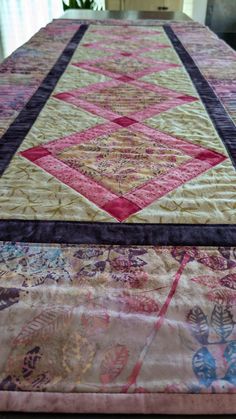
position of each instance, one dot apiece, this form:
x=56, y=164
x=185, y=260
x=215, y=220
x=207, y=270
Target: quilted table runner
x=118, y=220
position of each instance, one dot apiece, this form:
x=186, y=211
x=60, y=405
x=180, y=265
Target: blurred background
x=20, y=19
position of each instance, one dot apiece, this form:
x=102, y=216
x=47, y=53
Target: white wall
x=196, y=9
x=199, y=10
x=21, y=19
x=188, y=7
x=101, y=3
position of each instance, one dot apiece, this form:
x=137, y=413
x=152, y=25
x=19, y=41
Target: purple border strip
x=20, y=127
x=216, y=111
x=72, y=232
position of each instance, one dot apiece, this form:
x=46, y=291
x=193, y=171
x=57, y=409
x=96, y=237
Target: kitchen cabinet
x=146, y=5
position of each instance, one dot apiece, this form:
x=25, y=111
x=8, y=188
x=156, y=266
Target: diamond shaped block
x=125, y=63
x=125, y=79
x=132, y=45
x=124, y=121
x=121, y=170
x=121, y=208
x=114, y=99
x=135, y=99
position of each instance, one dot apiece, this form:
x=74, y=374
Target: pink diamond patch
x=122, y=170
x=125, y=78
x=124, y=121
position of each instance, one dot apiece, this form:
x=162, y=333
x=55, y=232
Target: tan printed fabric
x=117, y=319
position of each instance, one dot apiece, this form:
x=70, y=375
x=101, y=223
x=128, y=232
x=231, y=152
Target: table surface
x=132, y=15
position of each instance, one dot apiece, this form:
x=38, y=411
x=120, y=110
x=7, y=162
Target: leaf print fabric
x=74, y=329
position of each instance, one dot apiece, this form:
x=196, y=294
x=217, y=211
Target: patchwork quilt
x=118, y=220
